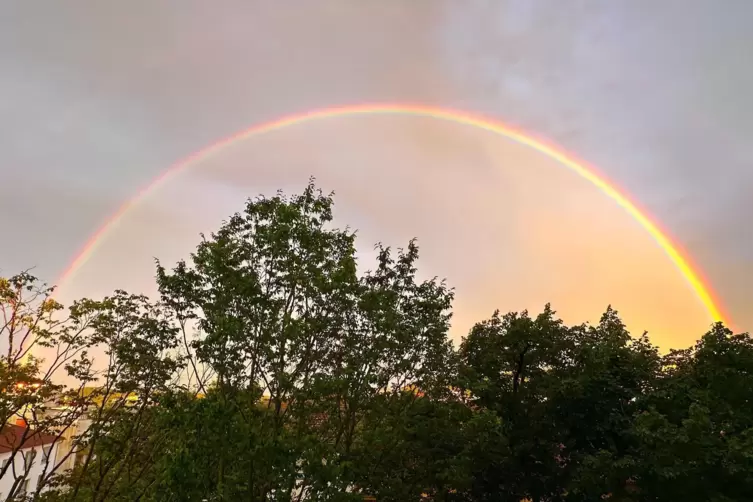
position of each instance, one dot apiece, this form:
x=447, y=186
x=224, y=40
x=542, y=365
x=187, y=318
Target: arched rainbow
x=683, y=264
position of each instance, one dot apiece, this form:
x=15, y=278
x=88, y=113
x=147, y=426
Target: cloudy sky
x=98, y=98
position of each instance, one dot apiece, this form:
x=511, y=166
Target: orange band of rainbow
x=681, y=261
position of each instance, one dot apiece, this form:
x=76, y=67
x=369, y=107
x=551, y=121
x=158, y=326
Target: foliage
x=270, y=369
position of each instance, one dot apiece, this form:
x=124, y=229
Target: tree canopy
x=270, y=369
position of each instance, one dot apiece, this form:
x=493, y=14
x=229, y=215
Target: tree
x=270, y=369
x=566, y=397
x=138, y=340
x=594, y=402
x=507, y=368
x=695, y=438
x=33, y=395
x=283, y=315
x=268, y=294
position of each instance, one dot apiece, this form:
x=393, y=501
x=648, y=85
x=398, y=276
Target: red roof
x=12, y=437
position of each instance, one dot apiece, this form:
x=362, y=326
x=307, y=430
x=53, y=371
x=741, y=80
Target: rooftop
x=12, y=438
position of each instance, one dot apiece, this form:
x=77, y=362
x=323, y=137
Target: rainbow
x=680, y=260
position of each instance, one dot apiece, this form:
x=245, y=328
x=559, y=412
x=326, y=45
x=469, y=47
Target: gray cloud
x=97, y=98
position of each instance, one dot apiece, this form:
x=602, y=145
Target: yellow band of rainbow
x=683, y=264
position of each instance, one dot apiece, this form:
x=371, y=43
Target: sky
x=96, y=99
